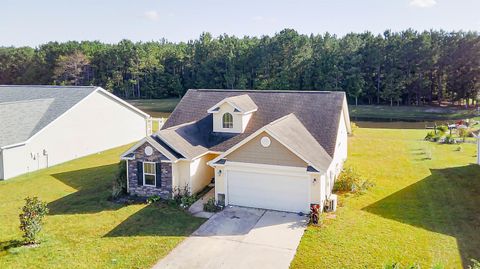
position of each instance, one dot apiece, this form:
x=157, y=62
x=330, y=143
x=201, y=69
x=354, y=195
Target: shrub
x=187, y=200
x=449, y=139
x=119, y=185
x=430, y=136
x=183, y=198
x=350, y=181
x=442, y=128
x=211, y=206
x=31, y=218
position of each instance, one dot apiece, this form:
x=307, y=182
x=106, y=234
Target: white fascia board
x=152, y=143
x=121, y=101
x=211, y=110
x=346, y=116
x=13, y=145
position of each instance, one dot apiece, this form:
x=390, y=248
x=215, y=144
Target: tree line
x=407, y=67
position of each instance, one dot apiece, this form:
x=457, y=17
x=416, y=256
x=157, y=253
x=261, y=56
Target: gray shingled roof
x=189, y=128
x=25, y=110
x=242, y=102
x=290, y=131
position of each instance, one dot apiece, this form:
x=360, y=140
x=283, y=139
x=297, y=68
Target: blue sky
x=33, y=22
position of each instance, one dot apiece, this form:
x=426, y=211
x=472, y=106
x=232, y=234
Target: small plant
x=430, y=136
x=211, y=206
x=365, y=185
x=153, y=199
x=459, y=148
x=433, y=137
x=449, y=139
x=183, y=198
x=316, y=218
x=119, y=184
x=475, y=264
x=350, y=181
x=187, y=200
x=31, y=218
x=442, y=129
x=394, y=265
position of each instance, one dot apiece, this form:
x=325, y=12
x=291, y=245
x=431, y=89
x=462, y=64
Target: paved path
x=240, y=238
x=197, y=208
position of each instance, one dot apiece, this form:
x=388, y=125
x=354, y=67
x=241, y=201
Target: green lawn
x=420, y=211
x=159, y=108
x=83, y=229
x=163, y=108
x=410, y=112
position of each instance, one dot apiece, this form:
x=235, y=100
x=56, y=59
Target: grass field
x=410, y=112
x=420, y=211
x=84, y=229
x=159, y=108
x=163, y=108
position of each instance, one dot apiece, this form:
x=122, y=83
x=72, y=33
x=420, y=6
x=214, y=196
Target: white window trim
x=154, y=174
x=223, y=120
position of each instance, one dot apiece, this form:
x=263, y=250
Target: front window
x=227, y=120
x=149, y=174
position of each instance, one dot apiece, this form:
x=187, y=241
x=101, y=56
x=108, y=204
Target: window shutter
x=140, y=173
x=158, y=168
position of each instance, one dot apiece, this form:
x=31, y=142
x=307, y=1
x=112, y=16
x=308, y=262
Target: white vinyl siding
x=96, y=124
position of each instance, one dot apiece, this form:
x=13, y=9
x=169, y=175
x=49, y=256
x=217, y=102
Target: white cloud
x=151, y=15
x=423, y=3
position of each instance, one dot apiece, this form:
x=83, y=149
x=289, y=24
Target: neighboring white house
x=279, y=150
x=41, y=126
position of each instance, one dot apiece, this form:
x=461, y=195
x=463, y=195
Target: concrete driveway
x=240, y=238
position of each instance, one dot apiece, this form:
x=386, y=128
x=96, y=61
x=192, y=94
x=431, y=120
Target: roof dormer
x=231, y=115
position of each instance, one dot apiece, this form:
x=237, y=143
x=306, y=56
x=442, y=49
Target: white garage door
x=269, y=191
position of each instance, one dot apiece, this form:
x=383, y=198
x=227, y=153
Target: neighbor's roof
x=242, y=103
x=190, y=130
x=25, y=110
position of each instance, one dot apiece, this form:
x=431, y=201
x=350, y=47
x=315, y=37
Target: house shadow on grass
x=157, y=219
x=93, y=187
x=447, y=202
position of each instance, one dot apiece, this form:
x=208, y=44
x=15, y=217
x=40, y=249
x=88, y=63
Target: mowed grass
x=84, y=229
x=159, y=108
x=420, y=211
x=411, y=112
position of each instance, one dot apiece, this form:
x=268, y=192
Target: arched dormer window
x=227, y=120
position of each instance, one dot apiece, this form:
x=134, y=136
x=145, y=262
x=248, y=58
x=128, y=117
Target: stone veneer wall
x=165, y=191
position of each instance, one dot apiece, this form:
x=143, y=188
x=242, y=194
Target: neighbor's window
x=149, y=174
x=227, y=120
